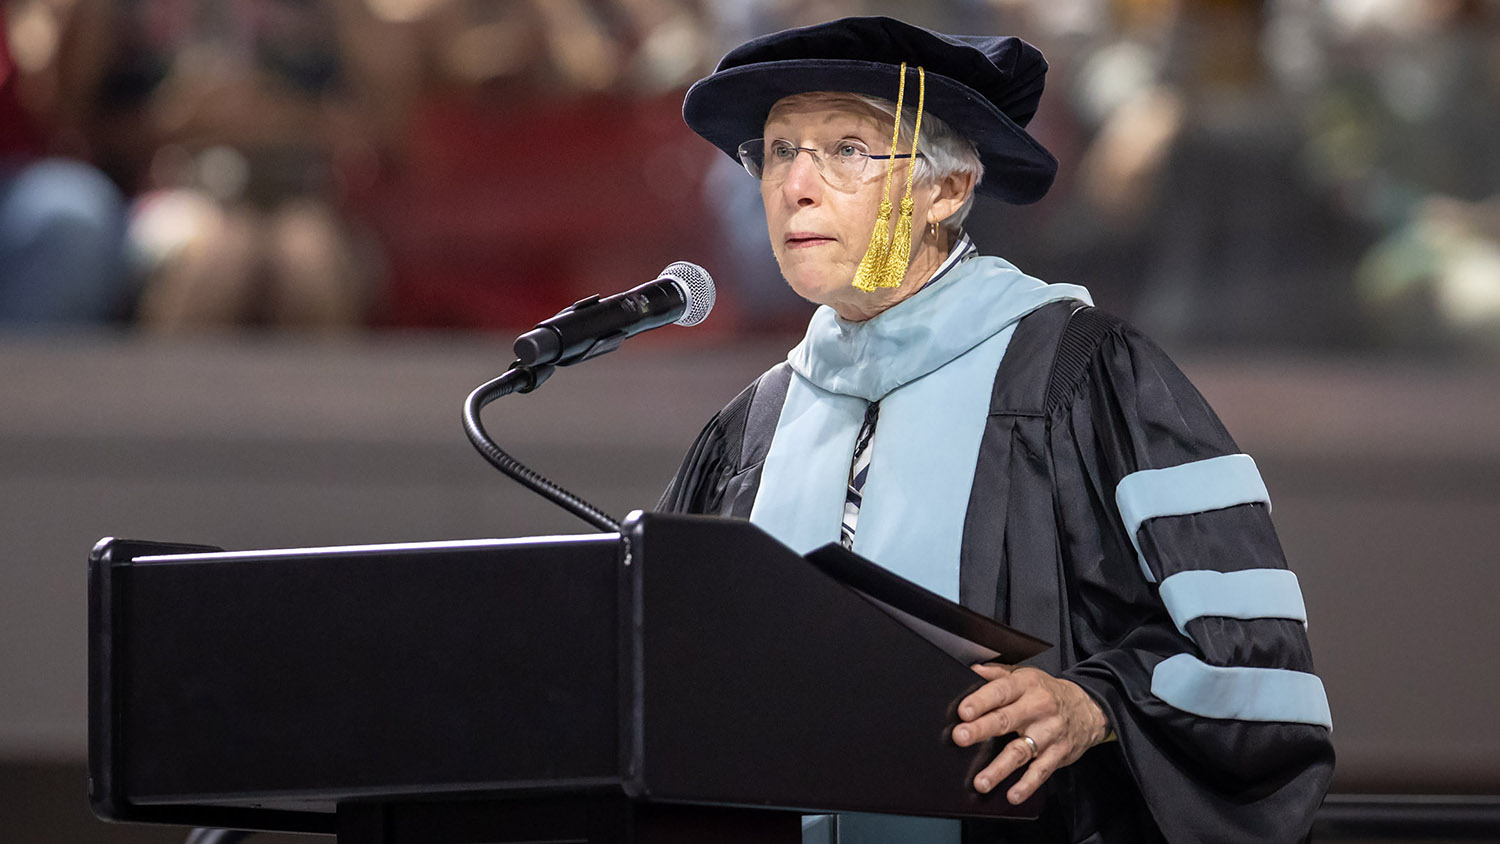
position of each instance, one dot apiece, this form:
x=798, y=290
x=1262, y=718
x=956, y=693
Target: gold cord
x=900, y=248
x=872, y=267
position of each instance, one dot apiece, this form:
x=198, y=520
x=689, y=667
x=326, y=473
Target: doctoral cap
x=986, y=87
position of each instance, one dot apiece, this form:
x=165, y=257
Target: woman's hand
x=1058, y=716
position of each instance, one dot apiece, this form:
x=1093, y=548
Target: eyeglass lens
x=841, y=162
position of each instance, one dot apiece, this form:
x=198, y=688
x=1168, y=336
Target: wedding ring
x=1031, y=742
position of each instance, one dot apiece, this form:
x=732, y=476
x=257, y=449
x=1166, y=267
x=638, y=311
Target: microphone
x=682, y=294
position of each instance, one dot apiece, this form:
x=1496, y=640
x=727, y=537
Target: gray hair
x=945, y=152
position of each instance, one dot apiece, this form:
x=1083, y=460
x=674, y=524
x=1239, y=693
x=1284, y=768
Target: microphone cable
x=523, y=379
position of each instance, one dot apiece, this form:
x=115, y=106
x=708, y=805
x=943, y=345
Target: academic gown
x=1222, y=729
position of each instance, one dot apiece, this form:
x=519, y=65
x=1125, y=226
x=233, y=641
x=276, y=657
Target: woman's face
x=820, y=233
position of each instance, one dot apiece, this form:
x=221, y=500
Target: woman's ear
x=952, y=192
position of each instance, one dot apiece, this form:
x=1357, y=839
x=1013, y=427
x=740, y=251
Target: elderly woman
x=999, y=441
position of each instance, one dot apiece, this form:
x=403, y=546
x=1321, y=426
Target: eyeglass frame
x=816, y=157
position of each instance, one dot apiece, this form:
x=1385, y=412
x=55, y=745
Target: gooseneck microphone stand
x=520, y=378
x=682, y=295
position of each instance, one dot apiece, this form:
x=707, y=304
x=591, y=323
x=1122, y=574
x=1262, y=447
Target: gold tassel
x=873, y=266
x=900, y=251
x=899, y=254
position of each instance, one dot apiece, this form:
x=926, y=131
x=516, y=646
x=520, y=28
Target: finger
x=991, y=670
x=1007, y=719
x=1012, y=756
x=998, y=692
x=1042, y=767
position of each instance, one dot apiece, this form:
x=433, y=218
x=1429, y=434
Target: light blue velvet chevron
x=1196, y=487
x=1250, y=593
x=1245, y=694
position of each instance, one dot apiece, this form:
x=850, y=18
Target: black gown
x=1080, y=401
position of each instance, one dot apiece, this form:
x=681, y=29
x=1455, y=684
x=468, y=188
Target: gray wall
x=1385, y=478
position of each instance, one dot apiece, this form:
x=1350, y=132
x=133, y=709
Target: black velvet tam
x=986, y=87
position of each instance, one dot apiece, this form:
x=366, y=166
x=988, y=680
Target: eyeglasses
x=843, y=163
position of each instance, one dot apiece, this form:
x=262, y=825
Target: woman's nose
x=804, y=183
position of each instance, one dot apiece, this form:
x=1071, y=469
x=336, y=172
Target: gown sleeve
x=1187, y=626
x=703, y=481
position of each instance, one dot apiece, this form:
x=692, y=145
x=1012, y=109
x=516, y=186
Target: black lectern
x=688, y=679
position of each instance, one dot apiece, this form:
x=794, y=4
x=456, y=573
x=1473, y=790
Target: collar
x=962, y=250
x=969, y=300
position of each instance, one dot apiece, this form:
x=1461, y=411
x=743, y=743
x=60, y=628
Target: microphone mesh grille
x=697, y=287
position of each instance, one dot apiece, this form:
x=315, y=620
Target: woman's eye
x=782, y=150
x=849, y=151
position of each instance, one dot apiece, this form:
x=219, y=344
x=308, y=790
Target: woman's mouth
x=803, y=240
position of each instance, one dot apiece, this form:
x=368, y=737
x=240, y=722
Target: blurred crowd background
x=1301, y=174
x=1300, y=199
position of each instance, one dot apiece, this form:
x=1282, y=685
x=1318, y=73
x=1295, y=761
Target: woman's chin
x=819, y=286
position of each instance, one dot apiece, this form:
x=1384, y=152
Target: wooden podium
x=688, y=679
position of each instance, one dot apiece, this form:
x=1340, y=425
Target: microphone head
x=697, y=288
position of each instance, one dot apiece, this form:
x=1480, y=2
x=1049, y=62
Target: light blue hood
x=930, y=361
